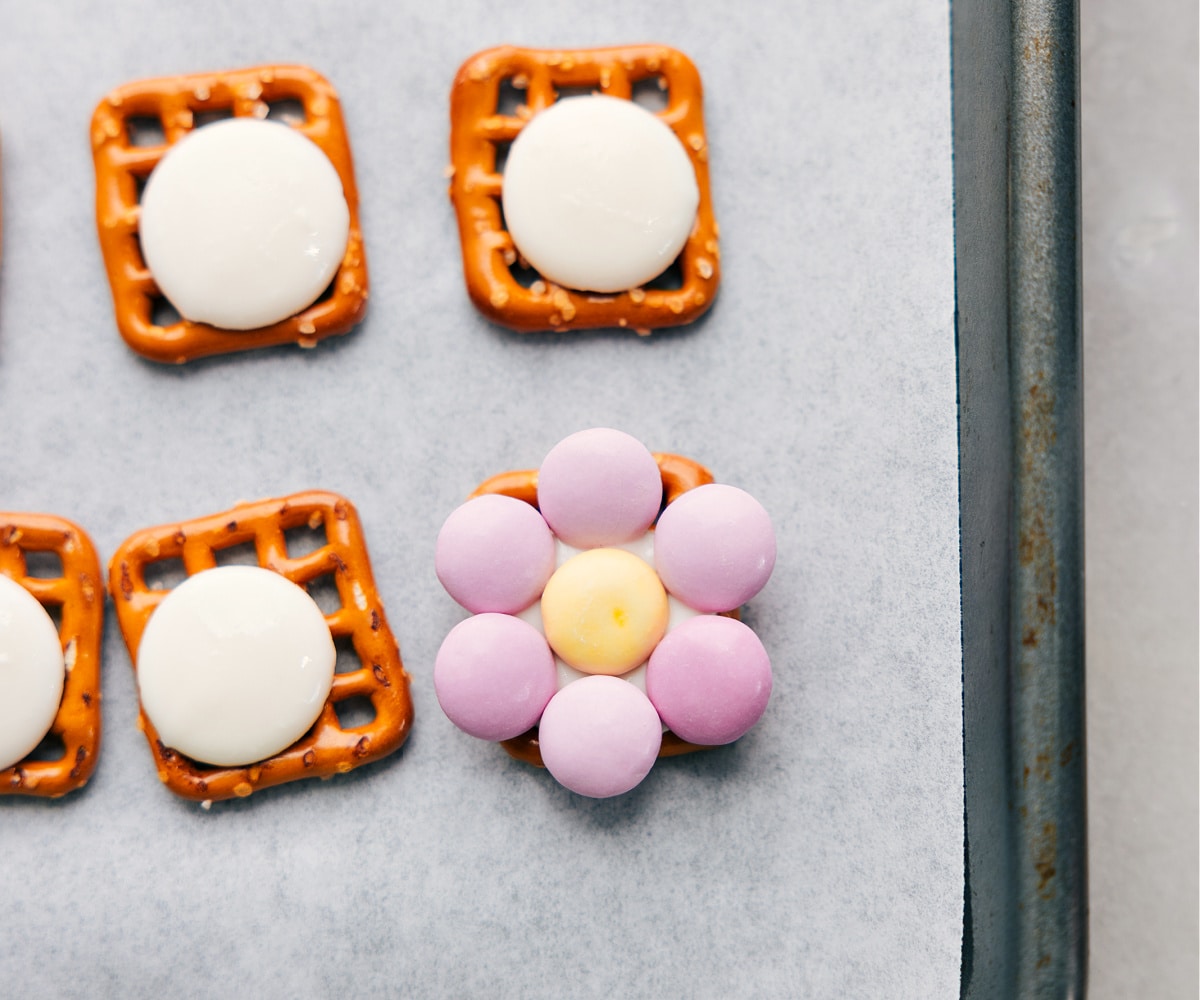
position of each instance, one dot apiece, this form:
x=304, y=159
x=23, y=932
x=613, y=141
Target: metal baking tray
x=1015, y=85
x=1016, y=179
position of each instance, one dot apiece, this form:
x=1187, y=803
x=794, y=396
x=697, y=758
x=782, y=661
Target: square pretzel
x=478, y=130
x=179, y=104
x=78, y=595
x=679, y=474
x=328, y=748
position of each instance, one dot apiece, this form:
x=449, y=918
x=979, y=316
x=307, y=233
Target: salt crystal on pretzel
x=76, y=593
x=329, y=747
x=178, y=106
x=480, y=133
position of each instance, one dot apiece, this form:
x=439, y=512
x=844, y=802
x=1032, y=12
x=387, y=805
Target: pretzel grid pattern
x=327, y=748
x=122, y=168
x=79, y=593
x=477, y=129
x=679, y=475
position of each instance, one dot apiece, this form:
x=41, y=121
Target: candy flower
x=604, y=630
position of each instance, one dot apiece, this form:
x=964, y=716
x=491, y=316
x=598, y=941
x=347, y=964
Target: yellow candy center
x=604, y=611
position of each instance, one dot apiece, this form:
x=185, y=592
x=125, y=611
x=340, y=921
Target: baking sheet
x=822, y=854
x=1016, y=153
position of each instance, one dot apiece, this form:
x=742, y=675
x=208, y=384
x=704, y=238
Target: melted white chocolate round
x=32, y=672
x=599, y=194
x=243, y=223
x=235, y=665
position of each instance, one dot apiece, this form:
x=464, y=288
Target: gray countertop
x=1139, y=142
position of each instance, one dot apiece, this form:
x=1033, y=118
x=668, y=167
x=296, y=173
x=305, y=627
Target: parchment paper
x=820, y=856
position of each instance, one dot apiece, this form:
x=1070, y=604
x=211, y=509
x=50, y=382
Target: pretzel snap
x=478, y=132
x=679, y=475
x=328, y=748
x=79, y=595
x=179, y=104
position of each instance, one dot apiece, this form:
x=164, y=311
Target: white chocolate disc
x=32, y=672
x=235, y=665
x=243, y=223
x=599, y=195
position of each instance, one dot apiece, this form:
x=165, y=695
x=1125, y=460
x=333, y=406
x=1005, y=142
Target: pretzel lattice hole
x=670, y=280
x=305, y=540
x=326, y=295
x=145, y=130
x=43, y=564
x=501, y=149
x=164, y=574
x=55, y=611
x=51, y=748
x=526, y=276
x=202, y=118
x=323, y=590
x=562, y=93
x=162, y=313
x=237, y=555
x=348, y=659
x=287, y=110
x=651, y=93
x=510, y=96
x=354, y=712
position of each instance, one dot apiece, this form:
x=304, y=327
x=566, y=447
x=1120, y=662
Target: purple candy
x=709, y=679
x=495, y=553
x=494, y=675
x=599, y=487
x=714, y=547
x=599, y=736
